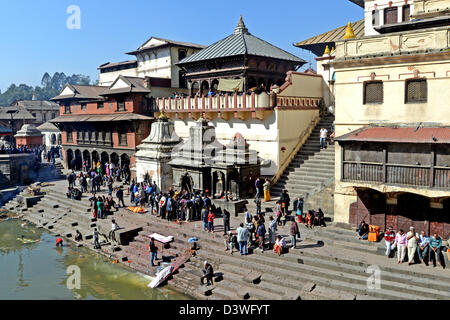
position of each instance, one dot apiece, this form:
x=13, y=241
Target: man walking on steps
x=323, y=138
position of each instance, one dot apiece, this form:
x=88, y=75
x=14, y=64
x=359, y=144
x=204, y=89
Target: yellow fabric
x=266, y=195
x=231, y=85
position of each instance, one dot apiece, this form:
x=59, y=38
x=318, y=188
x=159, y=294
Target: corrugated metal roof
x=135, y=84
x=22, y=113
x=399, y=135
x=115, y=64
x=106, y=117
x=239, y=43
x=317, y=43
x=82, y=92
x=47, y=126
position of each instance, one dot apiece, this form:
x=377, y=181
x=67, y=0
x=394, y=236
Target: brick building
x=103, y=123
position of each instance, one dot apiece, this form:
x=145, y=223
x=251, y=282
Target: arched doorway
x=53, y=139
x=214, y=85
x=104, y=157
x=87, y=158
x=204, y=88
x=186, y=183
x=95, y=157
x=195, y=88
x=69, y=158
x=124, y=159
x=78, y=160
x=115, y=158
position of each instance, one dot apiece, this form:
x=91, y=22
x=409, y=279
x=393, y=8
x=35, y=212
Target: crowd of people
x=411, y=246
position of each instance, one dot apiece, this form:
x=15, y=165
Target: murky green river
x=40, y=270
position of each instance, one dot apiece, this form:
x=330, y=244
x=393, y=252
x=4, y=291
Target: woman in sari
x=280, y=245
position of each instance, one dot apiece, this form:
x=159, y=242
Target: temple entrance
x=115, y=158
x=53, y=139
x=125, y=160
x=69, y=158
x=95, y=157
x=104, y=158
x=78, y=160
x=87, y=158
x=186, y=183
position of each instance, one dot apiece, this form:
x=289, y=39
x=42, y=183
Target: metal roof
x=317, y=44
x=241, y=42
x=47, y=126
x=115, y=64
x=100, y=117
x=22, y=113
x=135, y=84
x=433, y=135
x=82, y=92
x=167, y=42
x=37, y=104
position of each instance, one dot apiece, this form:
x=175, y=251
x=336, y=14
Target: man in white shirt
x=412, y=238
x=323, y=138
x=114, y=227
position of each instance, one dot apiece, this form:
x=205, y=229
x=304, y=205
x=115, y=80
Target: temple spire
x=241, y=28
x=349, y=34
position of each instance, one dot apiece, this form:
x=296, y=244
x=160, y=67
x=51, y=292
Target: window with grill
x=390, y=15
x=67, y=108
x=122, y=138
x=83, y=106
x=373, y=92
x=99, y=105
x=416, y=91
x=121, y=105
x=69, y=136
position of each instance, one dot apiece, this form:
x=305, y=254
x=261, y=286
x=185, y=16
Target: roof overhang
x=393, y=134
x=100, y=118
x=358, y=2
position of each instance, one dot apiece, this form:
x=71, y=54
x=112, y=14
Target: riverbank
x=39, y=270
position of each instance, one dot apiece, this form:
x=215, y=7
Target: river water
x=40, y=270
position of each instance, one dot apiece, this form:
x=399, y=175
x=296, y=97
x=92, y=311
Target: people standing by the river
x=112, y=233
x=257, y=187
x=78, y=236
x=401, y=242
x=242, y=238
x=95, y=237
x=153, y=252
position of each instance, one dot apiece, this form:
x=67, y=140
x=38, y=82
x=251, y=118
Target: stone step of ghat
x=319, y=262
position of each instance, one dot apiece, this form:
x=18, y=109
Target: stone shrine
x=192, y=161
x=155, y=152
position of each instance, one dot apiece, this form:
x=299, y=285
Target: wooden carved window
x=406, y=15
x=373, y=92
x=390, y=15
x=69, y=136
x=416, y=91
x=121, y=105
x=122, y=137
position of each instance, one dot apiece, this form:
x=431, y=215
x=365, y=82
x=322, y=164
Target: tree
x=46, y=80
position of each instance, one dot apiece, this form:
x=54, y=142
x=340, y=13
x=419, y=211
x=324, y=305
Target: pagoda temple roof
x=241, y=42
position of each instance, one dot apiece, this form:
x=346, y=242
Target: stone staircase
x=310, y=172
x=332, y=268
x=329, y=263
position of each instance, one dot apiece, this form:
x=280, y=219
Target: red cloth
x=59, y=240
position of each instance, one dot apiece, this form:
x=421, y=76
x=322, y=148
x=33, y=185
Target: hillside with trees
x=50, y=87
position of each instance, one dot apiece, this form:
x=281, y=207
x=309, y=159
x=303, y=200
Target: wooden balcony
x=397, y=174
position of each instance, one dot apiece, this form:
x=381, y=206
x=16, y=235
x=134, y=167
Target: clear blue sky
x=35, y=38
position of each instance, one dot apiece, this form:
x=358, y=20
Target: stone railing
x=234, y=102
x=298, y=102
x=396, y=43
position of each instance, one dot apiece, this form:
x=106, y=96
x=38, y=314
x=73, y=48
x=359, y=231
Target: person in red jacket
x=59, y=242
x=389, y=238
x=211, y=221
